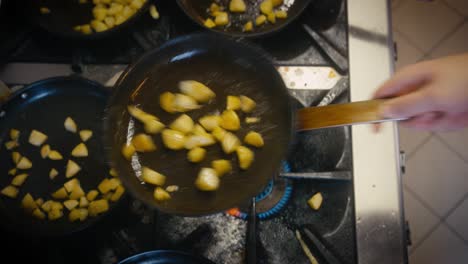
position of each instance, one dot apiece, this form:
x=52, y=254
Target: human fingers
x=408, y=105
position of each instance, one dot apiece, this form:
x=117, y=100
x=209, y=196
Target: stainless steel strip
x=328, y=175
x=376, y=170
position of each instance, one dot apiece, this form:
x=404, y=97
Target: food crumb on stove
x=70, y=125
x=44, y=10
x=53, y=173
x=172, y=188
x=154, y=12
x=315, y=202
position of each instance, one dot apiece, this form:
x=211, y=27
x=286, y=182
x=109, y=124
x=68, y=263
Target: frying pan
x=197, y=11
x=165, y=257
x=229, y=68
x=66, y=14
x=44, y=105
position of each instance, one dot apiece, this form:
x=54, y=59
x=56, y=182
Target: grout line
x=455, y=232
x=410, y=41
x=446, y=36
x=419, y=199
x=424, y=237
x=452, y=8
x=450, y=147
x=422, y=143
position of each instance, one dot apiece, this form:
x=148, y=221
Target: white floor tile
x=456, y=43
x=425, y=22
x=460, y=5
x=420, y=219
x=459, y=219
x=407, y=53
x=410, y=139
x=442, y=246
x=438, y=175
x=458, y=140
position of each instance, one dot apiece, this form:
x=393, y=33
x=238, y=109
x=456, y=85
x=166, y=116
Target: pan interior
x=228, y=68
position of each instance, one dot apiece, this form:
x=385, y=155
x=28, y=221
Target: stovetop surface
x=134, y=228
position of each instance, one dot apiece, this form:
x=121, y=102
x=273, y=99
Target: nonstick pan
x=197, y=11
x=44, y=105
x=227, y=67
x=66, y=14
x=165, y=257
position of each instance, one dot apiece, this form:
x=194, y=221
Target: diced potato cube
x=271, y=18
x=78, y=214
x=277, y=2
x=233, y=102
x=207, y=180
x=196, y=154
x=266, y=7
x=237, y=6
x=39, y=214
x=70, y=204
x=118, y=193
x=219, y=133
x=24, y=163
x=315, y=201
x=210, y=122
x=10, y=191
x=281, y=14
x=39, y=201
x=60, y=194
x=18, y=180
x=140, y=115
x=70, y=124
x=44, y=10
x=128, y=151
x=80, y=151
x=173, y=139
x=215, y=8
x=98, y=207
x=221, y=19
x=199, y=130
x=127, y=12
x=136, y=4
x=230, y=143
x=107, y=196
x=47, y=205
x=161, y=195
x=114, y=182
x=153, y=177
x=247, y=104
x=197, y=90
x=14, y=134
x=172, y=188
x=55, y=155
x=77, y=193
x=99, y=13
x=114, y=9
x=12, y=171
x=209, y=23
x=153, y=126
x=166, y=101
x=77, y=28
x=108, y=185
x=143, y=143
x=86, y=134
x=56, y=206
x=45, y=150
x=252, y=120
x=260, y=20
x=71, y=185
x=182, y=124
x=254, y=139
x=221, y=166
x=53, y=173
x=92, y=194
x=245, y=157
x=230, y=120
x=28, y=203
x=55, y=214
x=113, y=172
x=99, y=26
x=199, y=141
x=119, y=19
x=248, y=27
x=184, y=103
x=72, y=169
x=86, y=29
x=15, y=156
x=154, y=12
x=11, y=144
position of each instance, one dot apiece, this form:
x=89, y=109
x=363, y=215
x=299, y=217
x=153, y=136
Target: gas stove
x=316, y=55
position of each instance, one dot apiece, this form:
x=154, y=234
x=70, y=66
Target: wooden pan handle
x=341, y=115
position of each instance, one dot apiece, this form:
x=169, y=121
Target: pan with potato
x=243, y=18
x=217, y=106
x=55, y=179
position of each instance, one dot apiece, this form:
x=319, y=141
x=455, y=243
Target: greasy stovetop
x=133, y=228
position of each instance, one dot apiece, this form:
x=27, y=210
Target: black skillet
x=227, y=67
x=197, y=11
x=44, y=105
x=165, y=257
x=66, y=14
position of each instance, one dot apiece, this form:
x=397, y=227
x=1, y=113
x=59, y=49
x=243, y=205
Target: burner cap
x=270, y=201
